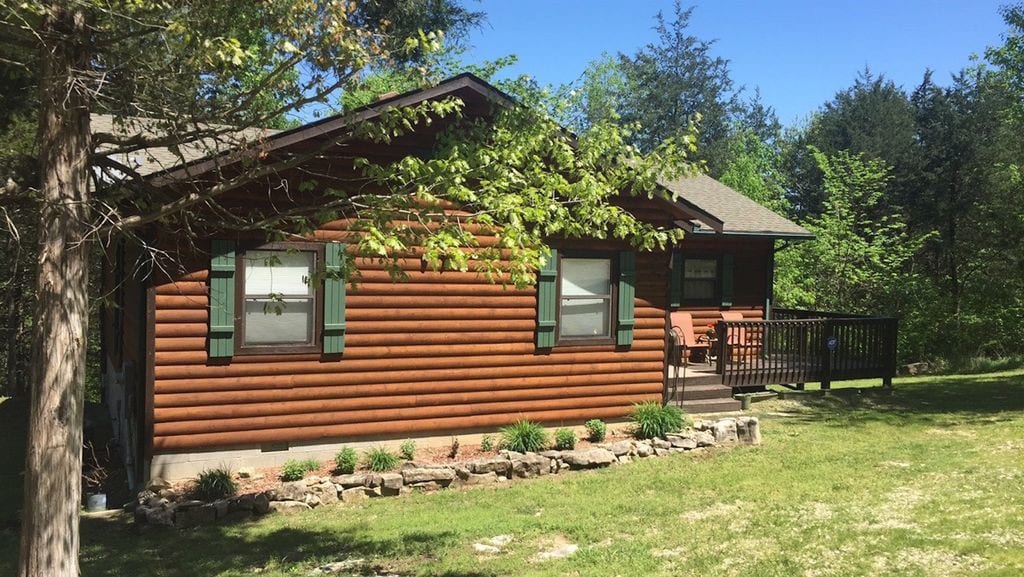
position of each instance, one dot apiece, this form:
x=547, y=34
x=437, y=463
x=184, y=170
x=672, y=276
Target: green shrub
x=346, y=460
x=487, y=443
x=655, y=420
x=524, y=436
x=565, y=439
x=596, y=430
x=294, y=470
x=408, y=449
x=381, y=460
x=213, y=484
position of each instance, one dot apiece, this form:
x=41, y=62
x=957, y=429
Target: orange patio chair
x=742, y=343
x=682, y=326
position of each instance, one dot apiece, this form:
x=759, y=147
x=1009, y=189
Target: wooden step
x=703, y=406
x=696, y=379
x=698, y=392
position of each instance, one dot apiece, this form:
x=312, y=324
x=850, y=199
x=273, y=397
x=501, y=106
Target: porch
x=790, y=348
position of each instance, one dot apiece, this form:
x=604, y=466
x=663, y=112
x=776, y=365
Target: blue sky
x=798, y=52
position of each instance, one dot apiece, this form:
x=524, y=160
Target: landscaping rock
x=157, y=516
x=499, y=465
x=261, y=503
x=704, y=438
x=625, y=459
x=552, y=454
x=530, y=465
x=660, y=443
x=481, y=479
x=325, y=491
x=292, y=491
x=588, y=458
x=644, y=450
x=390, y=484
x=620, y=448
x=683, y=441
x=246, y=473
x=243, y=503
x=156, y=484
x=288, y=507
x=725, y=431
x=354, y=494
x=441, y=476
x=349, y=481
x=426, y=486
x=221, y=507
x=659, y=452
x=748, y=430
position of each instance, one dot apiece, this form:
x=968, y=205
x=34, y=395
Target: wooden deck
x=792, y=348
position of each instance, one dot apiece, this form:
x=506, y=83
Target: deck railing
x=796, y=347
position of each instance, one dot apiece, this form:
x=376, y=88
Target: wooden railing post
x=826, y=368
x=721, y=334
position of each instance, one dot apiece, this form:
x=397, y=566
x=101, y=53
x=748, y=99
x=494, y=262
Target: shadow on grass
x=115, y=547
x=935, y=400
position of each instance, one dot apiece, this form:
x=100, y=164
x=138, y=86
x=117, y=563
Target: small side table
x=711, y=354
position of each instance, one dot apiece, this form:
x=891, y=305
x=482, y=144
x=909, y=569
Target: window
x=700, y=279
x=279, y=300
x=586, y=299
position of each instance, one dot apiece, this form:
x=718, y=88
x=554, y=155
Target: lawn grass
x=927, y=480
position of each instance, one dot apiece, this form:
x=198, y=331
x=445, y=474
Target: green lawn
x=927, y=481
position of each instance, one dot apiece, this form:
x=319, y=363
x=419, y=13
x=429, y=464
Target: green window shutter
x=675, y=299
x=727, y=273
x=222, y=298
x=334, y=299
x=627, y=292
x=547, y=301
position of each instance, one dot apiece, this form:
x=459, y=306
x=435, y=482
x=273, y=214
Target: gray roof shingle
x=740, y=214
x=158, y=159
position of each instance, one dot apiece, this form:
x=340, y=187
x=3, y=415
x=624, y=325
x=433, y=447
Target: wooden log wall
x=441, y=352
x=750, y=280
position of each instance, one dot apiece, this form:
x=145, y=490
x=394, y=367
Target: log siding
x=441, y=352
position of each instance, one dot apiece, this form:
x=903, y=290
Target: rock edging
x=153, y=508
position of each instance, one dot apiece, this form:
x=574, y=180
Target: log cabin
x=197, y=374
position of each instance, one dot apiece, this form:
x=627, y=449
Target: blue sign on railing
x=832, y=343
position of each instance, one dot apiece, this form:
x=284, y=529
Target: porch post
x=826, y=372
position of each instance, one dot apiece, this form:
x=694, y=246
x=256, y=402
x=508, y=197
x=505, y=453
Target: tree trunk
x=49, y=532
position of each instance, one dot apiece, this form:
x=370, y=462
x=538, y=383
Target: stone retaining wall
x=153, y=510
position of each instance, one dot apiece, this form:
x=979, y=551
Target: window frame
x=716, y=295
x=613, y=300
x=318, y=300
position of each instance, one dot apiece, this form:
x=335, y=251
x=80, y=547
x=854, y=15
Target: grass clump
x=596, y=430
x=407, y=449
x=214, y=484
x=652, y=420
x=565, y=439
x=523, y=437
x=346, y=461
x=487, y=443
x=295, y=470
x=381, y=460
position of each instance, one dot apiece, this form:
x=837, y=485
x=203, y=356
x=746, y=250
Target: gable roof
x=706, y=205
x=740, y=214
x=160, y=159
